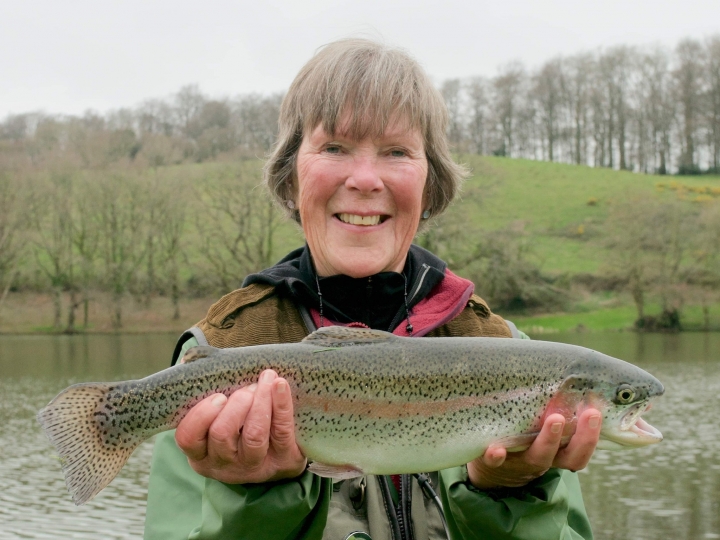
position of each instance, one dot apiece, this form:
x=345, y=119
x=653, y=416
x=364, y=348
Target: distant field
x=561, y=205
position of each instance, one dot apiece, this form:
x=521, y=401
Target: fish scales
x=364, y=401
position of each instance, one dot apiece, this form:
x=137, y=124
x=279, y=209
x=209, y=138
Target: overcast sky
x=67, y=56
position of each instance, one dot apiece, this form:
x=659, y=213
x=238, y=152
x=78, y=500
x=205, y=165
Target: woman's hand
x=498, y=468
x=246, y=438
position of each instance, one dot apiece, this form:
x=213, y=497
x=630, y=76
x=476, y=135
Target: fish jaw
x=632, y=431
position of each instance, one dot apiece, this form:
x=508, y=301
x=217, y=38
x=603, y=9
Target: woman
x=361, y=161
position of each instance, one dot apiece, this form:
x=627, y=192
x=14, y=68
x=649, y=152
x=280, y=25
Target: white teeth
x=359, y=220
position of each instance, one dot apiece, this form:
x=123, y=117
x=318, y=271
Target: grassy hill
x=563, y=211
x=562, y=206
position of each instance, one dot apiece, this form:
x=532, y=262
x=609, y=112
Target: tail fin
x=88, y=460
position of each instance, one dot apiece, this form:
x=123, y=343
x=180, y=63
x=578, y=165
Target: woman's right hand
x=246, y=438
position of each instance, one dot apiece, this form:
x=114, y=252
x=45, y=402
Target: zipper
x=399, y=516
x=369, y=294
x=395, y=531
x=405, y=506
x=426, y=269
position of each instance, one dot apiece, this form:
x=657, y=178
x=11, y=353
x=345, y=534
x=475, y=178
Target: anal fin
x=337, y=472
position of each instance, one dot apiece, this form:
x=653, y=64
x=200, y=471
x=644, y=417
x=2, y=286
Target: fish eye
x=625, y=394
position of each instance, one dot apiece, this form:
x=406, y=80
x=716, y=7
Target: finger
x=224, y=433
x=494, y=456
x=544, y=448
x=576, y=455
x=256, y=431
x=282, y=431
x=192, y=432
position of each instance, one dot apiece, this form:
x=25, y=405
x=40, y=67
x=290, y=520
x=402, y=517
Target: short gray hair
x=374, y=84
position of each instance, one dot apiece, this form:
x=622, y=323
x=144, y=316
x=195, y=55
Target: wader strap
x=513, y=329
x=188, y=334
x=306, y=317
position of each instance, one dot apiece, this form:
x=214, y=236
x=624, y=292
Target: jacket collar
x=377, y=301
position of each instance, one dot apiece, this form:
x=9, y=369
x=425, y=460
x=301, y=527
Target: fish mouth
x=633, y=430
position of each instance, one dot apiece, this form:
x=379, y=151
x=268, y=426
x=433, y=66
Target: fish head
x=621, y=391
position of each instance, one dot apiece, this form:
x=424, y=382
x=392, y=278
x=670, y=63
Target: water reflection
x=670, y=490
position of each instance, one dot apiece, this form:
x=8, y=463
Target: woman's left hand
x=497, y=468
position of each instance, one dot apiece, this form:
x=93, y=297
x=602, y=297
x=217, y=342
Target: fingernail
x=281, y=388
x=252, y=387
x=267, y=376
x=556, y=427
x=219, y=400
x=594, y=422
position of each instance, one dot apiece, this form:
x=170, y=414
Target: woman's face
x=360, y=201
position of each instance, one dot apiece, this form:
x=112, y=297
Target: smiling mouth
x=367, y=221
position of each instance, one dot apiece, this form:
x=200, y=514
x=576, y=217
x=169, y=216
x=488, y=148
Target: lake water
x=670, y=490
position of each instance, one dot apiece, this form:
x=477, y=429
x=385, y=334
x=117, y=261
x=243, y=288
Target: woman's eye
x=332, y=149
x=397, y=153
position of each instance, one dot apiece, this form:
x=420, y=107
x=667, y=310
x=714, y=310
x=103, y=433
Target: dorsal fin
x=341, y=336
x=196, y=353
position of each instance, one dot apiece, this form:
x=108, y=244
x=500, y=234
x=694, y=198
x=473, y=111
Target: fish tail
x=88, y=461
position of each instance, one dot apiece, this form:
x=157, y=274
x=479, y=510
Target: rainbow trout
x=365, y=401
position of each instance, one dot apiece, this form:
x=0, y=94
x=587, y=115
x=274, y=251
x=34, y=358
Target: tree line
x=87, y=235
x=646, y=109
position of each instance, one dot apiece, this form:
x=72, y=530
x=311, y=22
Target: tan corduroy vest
x=256, y=315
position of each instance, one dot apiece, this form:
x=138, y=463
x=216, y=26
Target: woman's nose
x=364, y=176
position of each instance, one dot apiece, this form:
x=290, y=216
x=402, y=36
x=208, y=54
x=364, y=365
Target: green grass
x=614, y=318
x=551, y=200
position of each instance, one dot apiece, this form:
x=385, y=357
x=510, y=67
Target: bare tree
x=121, y=219
x=508, y=91
x=649, y=243
x=255, y=122
x=51, y=211
x=478, y=102
x=577, y=97
x=86, y=241
x=688, y=87
x=188, y=103
x=712, y=108
x=236, y=225
x=452, y=92
x=12, y=230
x=548, y=90
x=658, y=105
